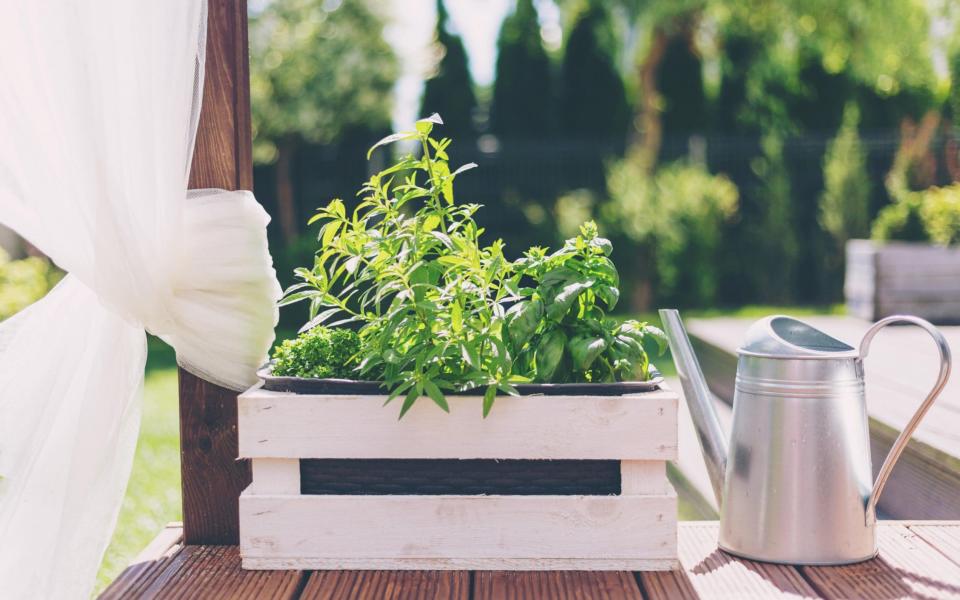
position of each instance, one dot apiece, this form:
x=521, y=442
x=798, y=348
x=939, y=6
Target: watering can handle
x=901, y=442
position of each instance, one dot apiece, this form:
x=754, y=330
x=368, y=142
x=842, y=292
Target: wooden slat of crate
x=709, y=573
x=556, y=585
x=388, y=585
x=480, y=532
x=908, y=567
x=630, y=427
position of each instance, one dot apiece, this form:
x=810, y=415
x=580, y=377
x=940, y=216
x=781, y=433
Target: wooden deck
x=900, y=370
x=917, y=560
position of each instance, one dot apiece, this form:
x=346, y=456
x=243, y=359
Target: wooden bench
x=917, y=560
x=900, y=370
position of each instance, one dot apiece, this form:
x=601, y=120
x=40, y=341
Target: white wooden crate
x=283, y=529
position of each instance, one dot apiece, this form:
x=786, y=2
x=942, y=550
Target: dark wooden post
x=211, y=475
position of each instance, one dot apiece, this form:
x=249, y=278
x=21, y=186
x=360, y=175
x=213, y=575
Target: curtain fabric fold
x=98, y=114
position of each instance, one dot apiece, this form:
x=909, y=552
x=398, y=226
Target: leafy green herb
x=439, y=311
x=560, y=331
x=320, y=352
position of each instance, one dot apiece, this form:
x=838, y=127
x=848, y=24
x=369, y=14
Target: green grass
x=153, y=494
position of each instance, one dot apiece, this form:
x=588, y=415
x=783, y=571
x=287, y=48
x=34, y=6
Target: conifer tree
x=449, y=91
x=680, y=81
x=593, y=100
x=523, y=92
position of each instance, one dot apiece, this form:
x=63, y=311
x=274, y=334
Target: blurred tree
x=675, y=217
x=952, y=147
x=800, y=63
x=775, y=252
x=844, y=207
x=954, y=104
x=593, y=101
x=844, y=204
x=449, y=91
x=317, y=69
x=523, y=97
x=680, y=84
x=730, y=114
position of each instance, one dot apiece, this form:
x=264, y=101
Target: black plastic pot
x=304, y=385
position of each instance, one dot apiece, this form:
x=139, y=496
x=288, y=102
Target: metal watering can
x=796, y=484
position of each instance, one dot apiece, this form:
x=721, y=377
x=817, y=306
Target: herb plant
x=320, y=352
x=559, y=331
x=439, y=311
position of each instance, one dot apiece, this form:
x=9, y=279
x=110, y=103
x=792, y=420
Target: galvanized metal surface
x=796, y=484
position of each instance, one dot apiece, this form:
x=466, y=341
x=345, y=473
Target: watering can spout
x=713, y=441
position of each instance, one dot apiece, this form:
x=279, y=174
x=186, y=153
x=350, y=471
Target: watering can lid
x=780, y=336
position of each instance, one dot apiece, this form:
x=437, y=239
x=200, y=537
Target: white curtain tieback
x=224, y=296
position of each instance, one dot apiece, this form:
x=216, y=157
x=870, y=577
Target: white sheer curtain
x=98, y=107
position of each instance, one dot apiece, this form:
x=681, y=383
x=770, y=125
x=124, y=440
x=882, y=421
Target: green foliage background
x=23, y=282
x=316, y=73
x=593, y=101
x=523, y=93
x=449, y=91
x=758, y=91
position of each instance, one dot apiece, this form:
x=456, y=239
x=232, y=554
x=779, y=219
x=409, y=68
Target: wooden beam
x=211, y=474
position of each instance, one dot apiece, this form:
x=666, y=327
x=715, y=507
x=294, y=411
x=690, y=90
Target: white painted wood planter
x=280, y=528
x=884, y=279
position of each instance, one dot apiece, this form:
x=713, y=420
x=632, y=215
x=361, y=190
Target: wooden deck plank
x=901, y=367
x=945, y=537
x=918, y=559
x=709, y=573
x=387, y=585
x=907, y=567
x=556, y=585
x=147, y=566
x=213, y=572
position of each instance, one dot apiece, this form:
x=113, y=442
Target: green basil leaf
x=658, y=337
x=565, y=299
x=523, y=319
x=549, y=353
x=603, y=244
x=609, y=294
x=584, y=349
